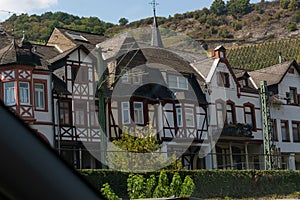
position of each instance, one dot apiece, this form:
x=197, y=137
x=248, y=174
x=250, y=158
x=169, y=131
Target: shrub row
x=212, y=183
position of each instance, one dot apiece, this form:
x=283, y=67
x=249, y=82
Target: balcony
x=237, y=130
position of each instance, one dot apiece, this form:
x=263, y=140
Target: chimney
x=220, y=52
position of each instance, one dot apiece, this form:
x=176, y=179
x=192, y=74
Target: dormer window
x=132, y=76
x=223, y=79
x=177, y=82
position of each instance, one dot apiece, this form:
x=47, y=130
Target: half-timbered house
x=75, y=106
x=157, y=87
x=25, y=85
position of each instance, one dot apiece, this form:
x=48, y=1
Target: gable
x=221, y=72
x=60, y=41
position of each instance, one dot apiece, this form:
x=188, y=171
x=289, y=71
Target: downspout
x=103, y=138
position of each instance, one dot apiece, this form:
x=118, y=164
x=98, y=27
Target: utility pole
x=266, y=125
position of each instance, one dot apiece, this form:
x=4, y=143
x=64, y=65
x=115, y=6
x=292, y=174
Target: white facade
x=230, y=107
x=286, y=119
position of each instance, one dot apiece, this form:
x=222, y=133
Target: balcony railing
x=239, y=130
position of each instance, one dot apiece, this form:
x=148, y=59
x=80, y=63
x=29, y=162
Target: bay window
x=24, y=93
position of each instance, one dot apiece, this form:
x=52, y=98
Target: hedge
x=213, y=183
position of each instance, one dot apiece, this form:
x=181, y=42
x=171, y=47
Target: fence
x=81, y=158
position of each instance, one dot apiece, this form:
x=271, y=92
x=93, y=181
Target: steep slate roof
x=117, y=46
x=38, y=56
x=8, y=54
x=59, y=86
x=92, y=39
x=203, y=67
x=273, y=74
x=5, y=39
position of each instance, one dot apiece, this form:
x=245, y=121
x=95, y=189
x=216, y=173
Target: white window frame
x=125, y=77
x=9, y=93
x=189, y=114
x=39, y=93
x=24, y=100
x=125, y=112
x=138, y=113
x=177, y=82
x=136, y=77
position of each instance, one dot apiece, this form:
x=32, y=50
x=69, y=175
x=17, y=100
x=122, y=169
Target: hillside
x=39, y=27
x=258, y=56
x=267, y=21
x=276, y=24
x=262, y=22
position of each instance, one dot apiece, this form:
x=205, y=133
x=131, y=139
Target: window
x=249, y=115
x=82, y=74
x=189, y=117
x=182, y=83
x=94, y=113
x=125, y=78
x=221, y=54
x=125, y=113
x=131, y=76
x=39, y=94
x=65, y=112
x=24, y=93
x=9, y=93
x=220, y=114
x=296, y=131
x=285, y=131
x=293, y=95
x=74, y=72
x=275, y=133
x=291, y=70
x=138, y=113
x=178, y=82
x=136, y=77
x=179, y=116
x=230, y=113
x=223, y=79
x=80, y=113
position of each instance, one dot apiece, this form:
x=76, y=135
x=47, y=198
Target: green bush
x=210, y=183
x=108, y=193
x=291, y=26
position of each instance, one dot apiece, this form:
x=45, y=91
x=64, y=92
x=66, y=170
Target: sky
x=107, y=10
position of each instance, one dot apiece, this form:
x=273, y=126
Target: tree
x=218, y=7
x=238, y=7
x=123, y=21
x=284, y=4
x=136, y=151
x=293, y=5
